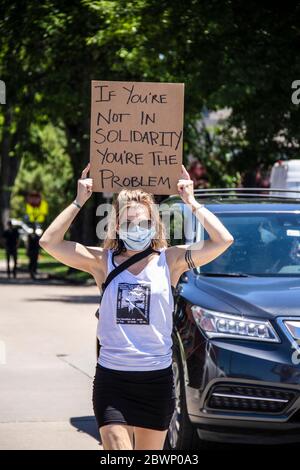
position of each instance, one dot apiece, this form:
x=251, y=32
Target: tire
x=182, y=434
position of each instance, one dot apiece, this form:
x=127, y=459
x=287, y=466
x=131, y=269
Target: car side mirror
x=183, y=277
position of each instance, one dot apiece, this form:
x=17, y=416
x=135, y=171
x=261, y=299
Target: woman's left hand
x=185, y=186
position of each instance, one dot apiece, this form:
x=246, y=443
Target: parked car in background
x=25, y=229
x=236, y=338
x=285, y=174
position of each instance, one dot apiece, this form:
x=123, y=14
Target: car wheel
x=182, y=434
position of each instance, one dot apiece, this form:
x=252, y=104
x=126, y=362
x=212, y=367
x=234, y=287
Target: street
x=47, y=333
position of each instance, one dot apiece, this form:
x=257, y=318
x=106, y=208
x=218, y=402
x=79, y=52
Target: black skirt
x=137, y=398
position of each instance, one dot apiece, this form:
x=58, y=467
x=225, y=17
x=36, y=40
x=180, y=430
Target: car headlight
x=222, y=325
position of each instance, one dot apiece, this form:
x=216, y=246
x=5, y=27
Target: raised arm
x=197, y=254
x=71, y=253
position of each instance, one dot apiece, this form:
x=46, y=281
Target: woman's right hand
x=84, y=186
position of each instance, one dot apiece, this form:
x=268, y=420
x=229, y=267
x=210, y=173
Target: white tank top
x=136, y=318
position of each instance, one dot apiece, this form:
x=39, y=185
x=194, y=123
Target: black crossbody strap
x=133, y=259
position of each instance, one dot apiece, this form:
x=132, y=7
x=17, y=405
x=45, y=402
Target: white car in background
x=286, y=175
x=25, y=229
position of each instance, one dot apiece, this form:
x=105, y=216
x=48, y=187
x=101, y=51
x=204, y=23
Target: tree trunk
x=9, y=169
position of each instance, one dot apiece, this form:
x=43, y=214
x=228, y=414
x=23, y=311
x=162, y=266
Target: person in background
x=198, y=174
x=33, y=249
x=11, y=237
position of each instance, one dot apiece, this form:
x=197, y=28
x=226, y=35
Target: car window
x=264, y=244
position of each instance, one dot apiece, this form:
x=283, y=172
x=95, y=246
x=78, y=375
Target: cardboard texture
x=136, y=136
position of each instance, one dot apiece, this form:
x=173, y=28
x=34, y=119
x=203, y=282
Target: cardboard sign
x=136, y=136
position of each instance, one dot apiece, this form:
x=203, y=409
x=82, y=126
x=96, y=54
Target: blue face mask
x=137, y=238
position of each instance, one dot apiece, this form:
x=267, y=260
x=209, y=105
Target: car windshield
x=265, y=244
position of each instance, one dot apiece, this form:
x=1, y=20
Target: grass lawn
x=48, y=264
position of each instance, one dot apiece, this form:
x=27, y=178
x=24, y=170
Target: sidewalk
x=23, y=277
x=48, y=332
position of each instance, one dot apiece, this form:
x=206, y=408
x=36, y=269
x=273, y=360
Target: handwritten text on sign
x=136, y=136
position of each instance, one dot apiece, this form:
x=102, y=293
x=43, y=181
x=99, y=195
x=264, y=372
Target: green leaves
x=242, y=56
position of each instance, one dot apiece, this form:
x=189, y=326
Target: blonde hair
x=125, y=198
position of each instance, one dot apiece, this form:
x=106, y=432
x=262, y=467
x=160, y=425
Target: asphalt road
x=47, y=363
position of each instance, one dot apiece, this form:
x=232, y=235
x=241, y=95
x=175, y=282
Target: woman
x=133, y=393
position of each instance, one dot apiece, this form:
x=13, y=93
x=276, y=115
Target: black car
x=236, y=348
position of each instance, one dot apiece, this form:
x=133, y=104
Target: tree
x=229, y=54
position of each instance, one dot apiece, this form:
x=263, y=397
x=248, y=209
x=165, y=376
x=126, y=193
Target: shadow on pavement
x=87, y=425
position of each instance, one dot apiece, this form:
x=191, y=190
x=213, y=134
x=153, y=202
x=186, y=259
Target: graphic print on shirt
x=133, y=303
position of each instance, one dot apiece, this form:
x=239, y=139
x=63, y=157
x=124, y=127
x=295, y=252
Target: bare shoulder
x=173, y=259
x=99, y=268
x=173, y=255
x=175, y=250
x=99, y=254
x=97, y=250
